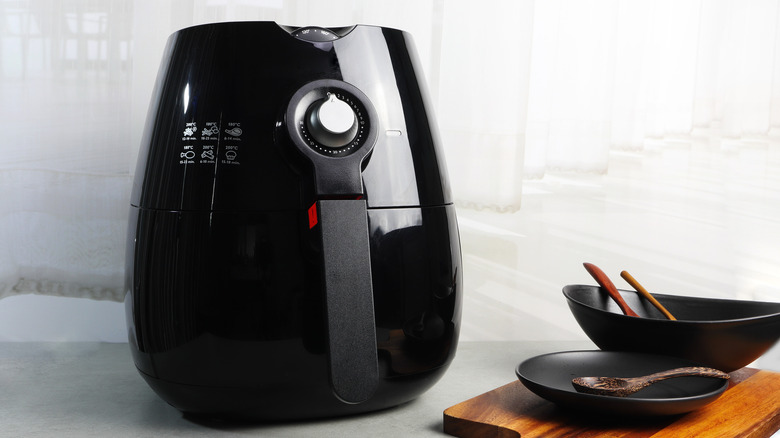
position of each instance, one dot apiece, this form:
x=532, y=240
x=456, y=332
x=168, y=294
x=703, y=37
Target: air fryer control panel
x=330, y=117
x=333, y=125
x=315, y=34
x=332, y=122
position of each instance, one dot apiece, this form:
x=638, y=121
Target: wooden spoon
x=623, y=386
x=604, y=281
x=642, y=291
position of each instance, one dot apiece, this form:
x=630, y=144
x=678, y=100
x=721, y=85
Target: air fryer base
x=254, y=403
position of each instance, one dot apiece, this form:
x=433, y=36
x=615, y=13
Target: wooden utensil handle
x=688, y=371
x=642, y=291
x=604, y=281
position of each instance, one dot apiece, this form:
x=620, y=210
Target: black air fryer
x=293, y=250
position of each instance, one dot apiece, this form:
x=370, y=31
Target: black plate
x=549, y=376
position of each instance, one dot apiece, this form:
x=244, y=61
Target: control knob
x=332, y=122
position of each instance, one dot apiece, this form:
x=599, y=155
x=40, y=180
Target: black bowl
x=722, y=334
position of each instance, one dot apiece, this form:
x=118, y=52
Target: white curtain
x=65, y=93
x=609, y=75
x=482, y=99
x=521, y=89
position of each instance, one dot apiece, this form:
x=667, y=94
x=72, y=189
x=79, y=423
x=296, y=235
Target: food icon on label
x=231, y=155
x=235, y=132
x=210, y=130
x=190, y=128
x=208, y=155
x=188, y=155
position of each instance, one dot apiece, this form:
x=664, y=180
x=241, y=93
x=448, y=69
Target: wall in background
x=523, y=91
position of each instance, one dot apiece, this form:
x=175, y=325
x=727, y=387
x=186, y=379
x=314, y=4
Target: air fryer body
x=238, y=233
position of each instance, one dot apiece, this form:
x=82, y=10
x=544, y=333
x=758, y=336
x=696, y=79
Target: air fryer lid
x=215, y=137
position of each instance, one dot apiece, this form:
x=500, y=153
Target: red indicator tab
x=313, y=215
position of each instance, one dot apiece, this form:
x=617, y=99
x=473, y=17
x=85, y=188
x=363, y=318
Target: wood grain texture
x=749, y=408
x=624, y=386
x=645, y=293
x=603, y=280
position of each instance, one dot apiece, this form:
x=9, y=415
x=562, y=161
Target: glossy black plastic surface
x=232, y=82
x=722, y=334
x=225, y=301
x=226, y=267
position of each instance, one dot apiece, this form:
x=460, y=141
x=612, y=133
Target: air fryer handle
x=349, y=298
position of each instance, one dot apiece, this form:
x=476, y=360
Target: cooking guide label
x=189, y=131
x=187, y=156
x=190, y=149
x=210, y=131
x=210, y=142
x=232, y=139
x=231, y=154
x=234, y=131
x=208, y=154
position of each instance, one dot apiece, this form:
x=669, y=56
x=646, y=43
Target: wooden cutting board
x=750, y=407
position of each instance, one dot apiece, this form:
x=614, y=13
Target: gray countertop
x=92, y=389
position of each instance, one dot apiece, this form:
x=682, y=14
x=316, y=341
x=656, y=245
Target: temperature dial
x=331, y=118
x=315, y=34
x=332, y=122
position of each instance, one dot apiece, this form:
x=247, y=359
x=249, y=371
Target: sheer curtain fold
x=674, y=69
x=483, y=90
x=65, y=86
x=743, y=67
x=573, y=64
x=520, y=89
